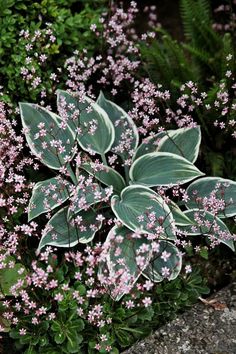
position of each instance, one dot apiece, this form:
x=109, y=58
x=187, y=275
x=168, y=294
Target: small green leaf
x=124, y=338
x=56, y=326
x=73, y=342
x=204, y=252
x=60, y=337
x=77, y=325
x=10, y=275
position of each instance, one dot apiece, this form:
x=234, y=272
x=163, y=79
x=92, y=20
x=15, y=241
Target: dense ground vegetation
x=105, y=234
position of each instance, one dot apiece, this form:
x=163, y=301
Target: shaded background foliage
x=70, y=21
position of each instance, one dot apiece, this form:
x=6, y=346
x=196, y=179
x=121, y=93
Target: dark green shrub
x=70, y=21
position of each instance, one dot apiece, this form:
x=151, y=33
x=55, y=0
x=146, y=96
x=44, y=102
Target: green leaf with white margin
x=184, y=142
x=88, y=226
x=47, y=195
x=97, y=131
x=68, y=110
x=59, y=232
x=150, y=144
x=84, y=197
x=126, y=132
x=122, y=249
x=225, y=192
x=165, y=264
x=162, y=169
x=108, y=176
x=80, y=172
x=51, y=143
x=179, y=217
x=211, y=226
x=141, y=209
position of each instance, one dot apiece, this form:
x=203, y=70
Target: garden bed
x=117, y=173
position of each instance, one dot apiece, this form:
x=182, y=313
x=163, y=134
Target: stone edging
x=207, y=328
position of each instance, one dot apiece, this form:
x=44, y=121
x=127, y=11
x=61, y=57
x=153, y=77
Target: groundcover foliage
x=108, y=210
x=69, y=23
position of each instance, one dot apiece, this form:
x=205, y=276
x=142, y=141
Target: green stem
x=104, y=160
x=72, y=175
x=126, y=174
x=132, y=330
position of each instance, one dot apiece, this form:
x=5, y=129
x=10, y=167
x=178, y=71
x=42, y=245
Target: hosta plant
x=110, y=188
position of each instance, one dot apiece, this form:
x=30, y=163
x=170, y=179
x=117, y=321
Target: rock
x=207, y=328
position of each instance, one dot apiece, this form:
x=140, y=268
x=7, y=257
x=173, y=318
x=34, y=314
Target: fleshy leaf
x=9, y=276
x=162, y=169
x=126, y=132
x=211, y=226
x=60, y=232
x=108, y=176
x=184, y=142
x=165, y=264
x=141, y=209
x=213, y=191
x=97, y=131
x=47, y=195
x=122, y=249
x=47, y=139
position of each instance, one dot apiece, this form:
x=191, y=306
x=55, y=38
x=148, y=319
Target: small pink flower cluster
x=120, y=56
x=14, y=187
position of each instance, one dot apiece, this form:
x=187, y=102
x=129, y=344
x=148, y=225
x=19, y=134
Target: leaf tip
x=30, y=217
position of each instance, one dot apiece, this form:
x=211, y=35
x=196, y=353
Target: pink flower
x=22, y=331
x=147, y=301
x=165, y=272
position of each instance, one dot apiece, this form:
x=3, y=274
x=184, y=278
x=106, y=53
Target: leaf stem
x=126, y=174
x=72, y=175
x=104, y=160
